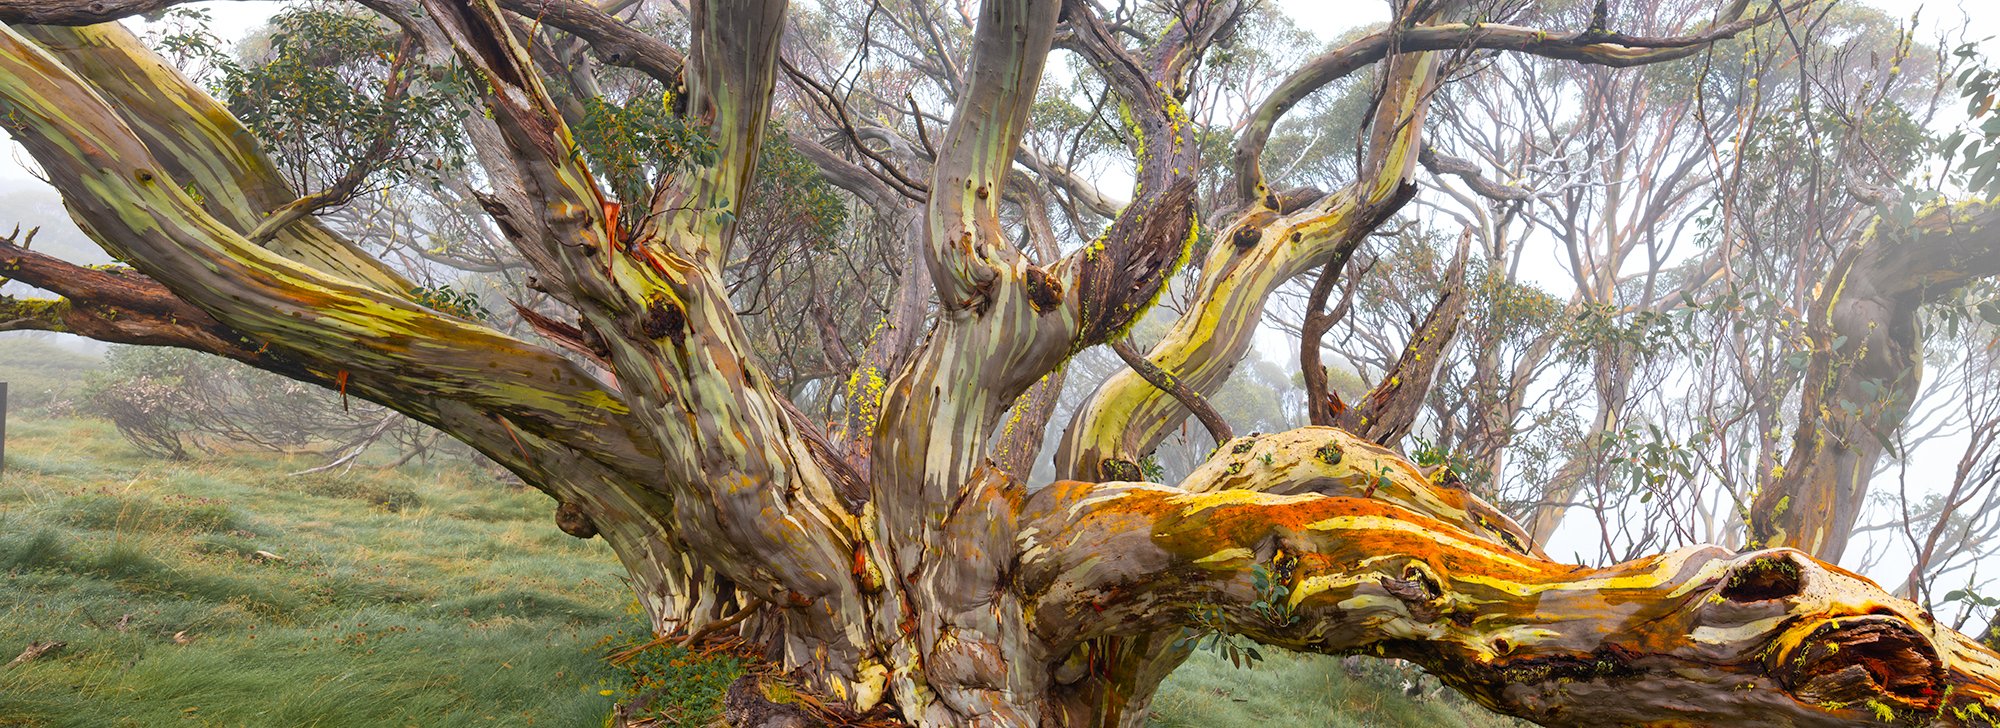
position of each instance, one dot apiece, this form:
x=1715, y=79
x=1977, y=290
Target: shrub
x=171, y=403
x=40, y=374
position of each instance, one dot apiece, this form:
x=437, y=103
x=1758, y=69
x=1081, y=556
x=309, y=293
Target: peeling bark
x=932, y=579
x=1127, y=417
x=1700, y=636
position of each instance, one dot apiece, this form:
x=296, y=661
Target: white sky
x=1327, y=18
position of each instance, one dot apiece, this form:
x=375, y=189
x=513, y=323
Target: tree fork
x=1387, y=412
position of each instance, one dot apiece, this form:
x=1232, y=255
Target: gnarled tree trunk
x=938, y=582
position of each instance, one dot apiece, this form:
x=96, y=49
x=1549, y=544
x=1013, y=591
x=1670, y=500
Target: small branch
x=917, y=118
x=1218, y=428
x=610, y=39
x=623, y=656
x=1323, y=405
x=1085, y=193
x=342, y=189
x=824, y=98
x=724, y=623
x=355, y=448
x=1387, y=412
x=1442, y=164
x=864, y=183
x=568, y=336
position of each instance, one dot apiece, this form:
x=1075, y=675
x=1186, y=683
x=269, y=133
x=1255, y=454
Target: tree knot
x=1420, y=590
x=573, y=521
x=664, y=319
x=1044, y=291
x=1775, y=576
x=1119, y=469
x=1329, y=454
x=1246, y=237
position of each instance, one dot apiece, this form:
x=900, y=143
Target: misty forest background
x=202, y=536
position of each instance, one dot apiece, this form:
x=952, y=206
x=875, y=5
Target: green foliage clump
x=463, y=304
x=669, y=683
x=634, y=143
x=1462, y=469
x=1272, y=607
x=318, y=94
x=1977, y=148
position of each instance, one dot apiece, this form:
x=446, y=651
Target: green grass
x=423, y=596
x=676, y=686
x=1289, y=689
x=39, y=373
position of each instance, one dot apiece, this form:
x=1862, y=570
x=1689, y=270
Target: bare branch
x=612, y=40
x=1386, y=414
x=1589, y=46
x=1218, y=428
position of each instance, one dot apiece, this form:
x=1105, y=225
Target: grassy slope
x=38, y=372
x=434, y=597
x=408, y=598
x=1289, y=689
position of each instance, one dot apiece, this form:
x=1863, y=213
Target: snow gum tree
x=892, y=557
